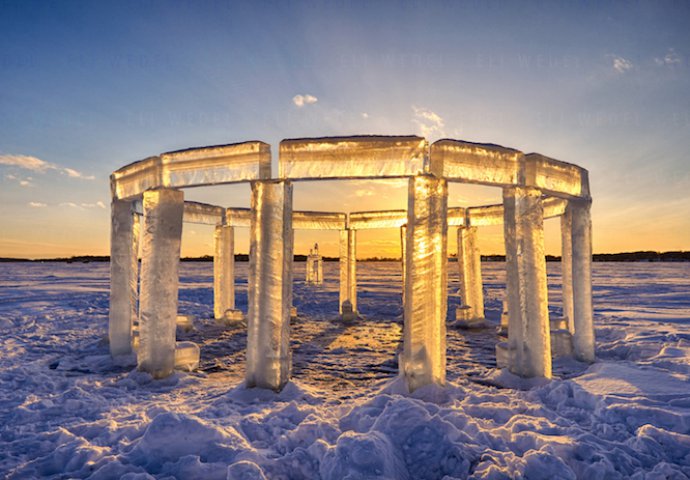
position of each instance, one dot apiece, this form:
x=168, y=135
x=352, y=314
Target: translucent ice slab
x=187, y=356
x=555, y=177
x=194, y=167
x=354, y=157
x=382, y=219
x=238, y=217
x=456, y=216
x=476, y=162
x=195, y=212
x=318, y=221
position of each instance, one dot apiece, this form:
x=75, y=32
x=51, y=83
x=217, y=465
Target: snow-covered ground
x=67, y=412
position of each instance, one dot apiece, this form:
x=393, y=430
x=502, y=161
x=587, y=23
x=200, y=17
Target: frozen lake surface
x=67, y=412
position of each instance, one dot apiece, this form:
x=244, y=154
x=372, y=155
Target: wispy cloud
x=34, y=164
x=83, y=205
x=365, y=115
x=620, y=64
x=302, y=100
x=671, y=58
x=75, y=174
x=429, y=124
x=37, y=204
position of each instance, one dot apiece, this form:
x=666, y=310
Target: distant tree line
x=644, y=256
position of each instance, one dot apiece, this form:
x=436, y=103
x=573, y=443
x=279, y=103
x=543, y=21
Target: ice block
x=161, y=237
x=423, y=360
x=270, y=285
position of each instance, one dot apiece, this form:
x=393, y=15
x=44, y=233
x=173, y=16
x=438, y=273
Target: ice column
x=124, y=276
x=567, y=269
x=348, y=268
x=469, y=264
x=423, y=359
x=583, y=322
x=223, y=270
x=270, y=285
x=528, y=316
x=160, y=258
x=403, y=255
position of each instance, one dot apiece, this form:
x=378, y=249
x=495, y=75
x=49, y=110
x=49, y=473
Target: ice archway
x=534, y=187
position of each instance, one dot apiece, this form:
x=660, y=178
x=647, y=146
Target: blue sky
x=87, y=87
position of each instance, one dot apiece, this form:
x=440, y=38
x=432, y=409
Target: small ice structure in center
x=314, y=266
x=534, y=187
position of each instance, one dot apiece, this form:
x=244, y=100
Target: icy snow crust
x=67, y=412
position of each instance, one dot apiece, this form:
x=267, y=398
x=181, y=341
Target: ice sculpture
x=314, y=268
x=160, y=258
x=535, y=187
x=269, y=285
x=348, y=268
x=423, y=360
x=124, y=277
x=223, y=271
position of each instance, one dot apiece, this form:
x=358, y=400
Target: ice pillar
x=567, y=269
x=470, y=266
x=348, y=268
x=223, y=270
x=124, y=276
x=270, y=285
x=162, y=233
x=528, y=315
x=403, y=255
x=423, y=359
x=583, y=321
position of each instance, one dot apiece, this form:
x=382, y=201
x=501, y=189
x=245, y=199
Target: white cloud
x=100, y=204
x=365, y=115
x=671, y=58
x=69, y=204
x=75, y=174
x=620, y=64
x=429, y=124
x=37, y=205
x=302, y=100
x=34, y=164
x=26, y=162
x=25, y=183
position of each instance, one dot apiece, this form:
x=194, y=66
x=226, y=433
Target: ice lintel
x=203, y=213
x=381, y=219
x=363, y=156
x=456, y=216
x=238, y=217
x=486, y=215
x=481, y=163
x=318, y=220
x=555, y=177
x=238, y=162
